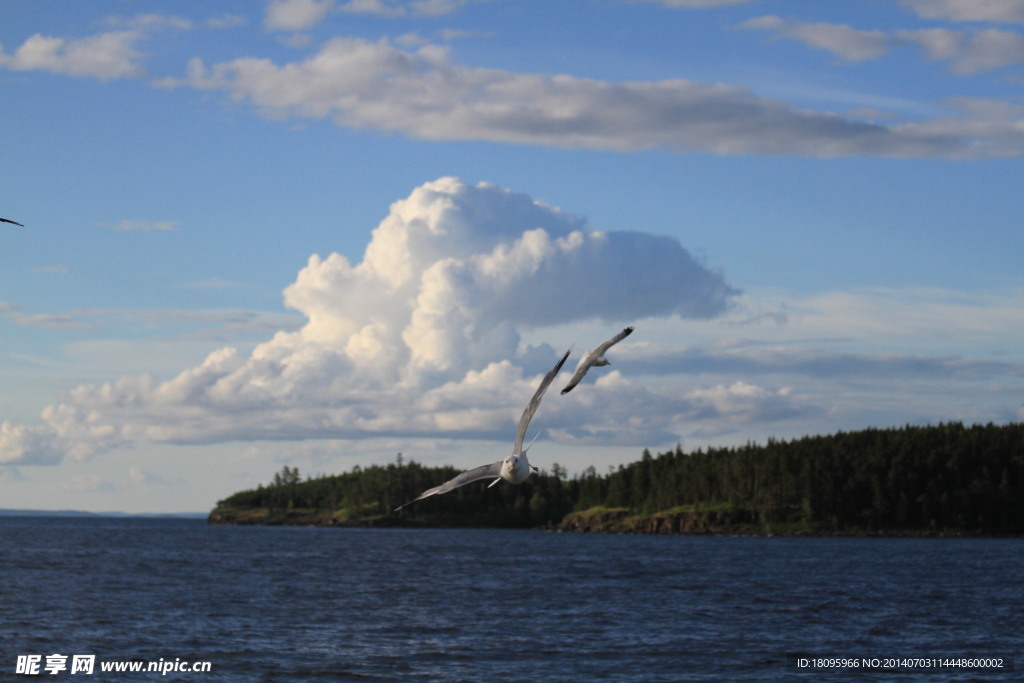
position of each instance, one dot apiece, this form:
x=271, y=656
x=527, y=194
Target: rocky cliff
x=619, y=520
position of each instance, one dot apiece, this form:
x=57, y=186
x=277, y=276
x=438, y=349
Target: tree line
x=947, y=478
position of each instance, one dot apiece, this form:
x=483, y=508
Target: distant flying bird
x=515, y=469
x=596, y=358
x=7, y=220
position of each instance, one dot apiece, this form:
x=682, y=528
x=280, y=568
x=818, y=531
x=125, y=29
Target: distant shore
x=11, y=512
x=595, y=520
x=942, y=480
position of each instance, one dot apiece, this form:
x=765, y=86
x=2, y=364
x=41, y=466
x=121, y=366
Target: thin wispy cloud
x=226, y=21
x=969, y=52
x=968, y=10
x=142, y=226
x=965, y=51
x=212, y=283
x=49, y=321
x=150, y=22
x=844, y=41
x=301, y=15
x=402, y=8
x=695, y=4
x=146, y=479
x=296, y=15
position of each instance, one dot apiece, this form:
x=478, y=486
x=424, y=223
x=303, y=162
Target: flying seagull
x=596, y=358
x=7, y=220
x=515, y=469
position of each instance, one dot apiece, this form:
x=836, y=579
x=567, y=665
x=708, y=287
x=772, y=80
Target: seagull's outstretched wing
x=494, y=471
x=467, y=477
x=594, y=357
x=524, y=421
x=8, y=220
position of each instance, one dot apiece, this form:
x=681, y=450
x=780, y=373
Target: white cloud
x=989, y=127
x=397, y=8
x=844, y=41
x=150, y=22
x=969, y=52
x=835, y=360
x=20, y=444
x=145, y=479
x=296, y=15
x=299, y=15
x=57, y=268
x=434, y=8
x=12, y=475
x=226, y=21
x=425, y=94
x=697, y=4
x=376, y=7
x=422, y=337
x=914, y=321
x=740, y=403
x=104, y=56
x=211, y=283
x=913, y=315
x=52, y=321
x=144, y=226
x=89, y=483
x=969, y=10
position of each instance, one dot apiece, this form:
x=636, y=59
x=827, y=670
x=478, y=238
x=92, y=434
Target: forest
x=947, y=479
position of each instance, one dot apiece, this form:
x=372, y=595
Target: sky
x=320, y=233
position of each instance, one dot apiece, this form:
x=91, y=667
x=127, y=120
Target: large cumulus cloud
x=420, y=337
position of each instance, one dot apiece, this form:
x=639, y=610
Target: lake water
x=315, y=604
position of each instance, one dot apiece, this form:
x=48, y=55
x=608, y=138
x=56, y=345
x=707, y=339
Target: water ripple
x=288, y=604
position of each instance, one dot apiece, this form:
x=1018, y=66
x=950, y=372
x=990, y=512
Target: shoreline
x=610, y=521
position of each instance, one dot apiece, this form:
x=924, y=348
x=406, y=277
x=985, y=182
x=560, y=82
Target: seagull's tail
x=531, y=443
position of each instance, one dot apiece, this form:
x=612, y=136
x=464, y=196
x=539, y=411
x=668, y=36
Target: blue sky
x=317, y=233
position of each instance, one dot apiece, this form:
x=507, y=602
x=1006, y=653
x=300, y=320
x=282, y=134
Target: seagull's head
x=516, y=463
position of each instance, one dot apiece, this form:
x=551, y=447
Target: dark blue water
x=307, y=604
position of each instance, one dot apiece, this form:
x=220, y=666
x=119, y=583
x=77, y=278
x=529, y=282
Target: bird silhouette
x=596, y=358
x=514, y=469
